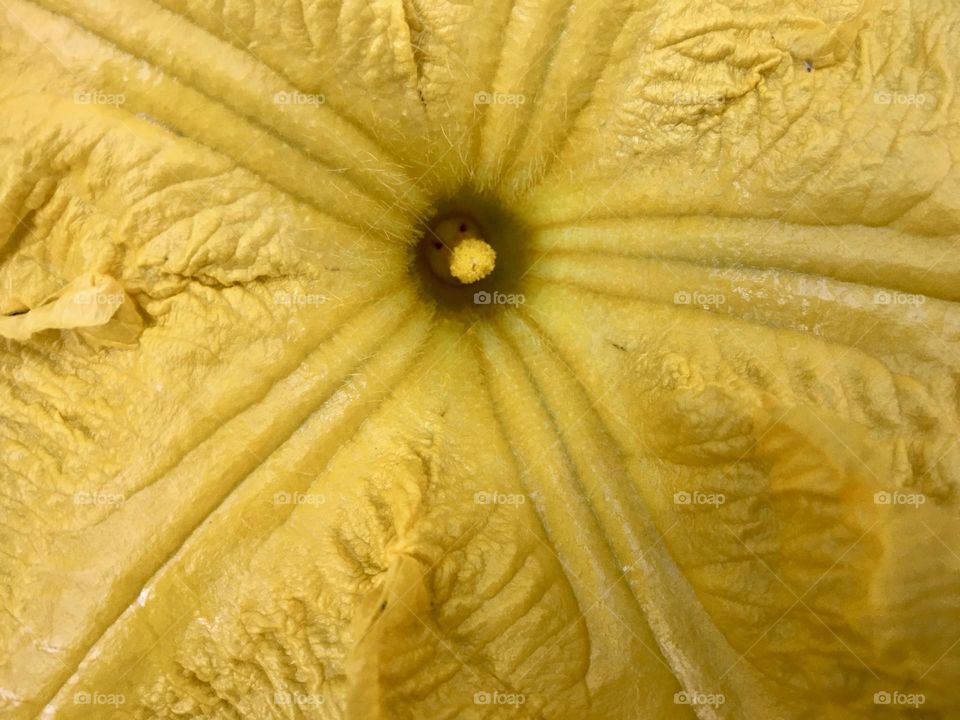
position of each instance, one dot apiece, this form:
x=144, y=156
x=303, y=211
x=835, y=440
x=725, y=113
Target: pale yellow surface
x=293, y=474
x=92, y=301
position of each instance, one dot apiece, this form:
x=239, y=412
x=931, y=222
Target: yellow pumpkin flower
x=380, y=359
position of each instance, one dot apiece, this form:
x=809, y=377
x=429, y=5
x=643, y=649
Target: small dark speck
x=463, y=227
x=438, y=245
x=808, y=65
x=617, y=346
x=383, y=605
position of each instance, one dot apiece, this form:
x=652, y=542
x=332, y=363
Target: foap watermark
x=898, y=497
x=698, y=98
x=895, y=697
x=894, y=97
x=98, y=97
x=495, y=697
x=699, y=498
x=498, y=498
x=297, y=698
x=98, y=698
x=298, y=298
x=697, y=297
x=88, y=297
x=298, y=98
x=298, y=498
x=482, y=297
x=97, y=497
x=498, y=98
x=888, y=297
x=695, y=697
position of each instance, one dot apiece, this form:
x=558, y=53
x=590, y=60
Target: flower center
x=471, y=248
x=457, y=252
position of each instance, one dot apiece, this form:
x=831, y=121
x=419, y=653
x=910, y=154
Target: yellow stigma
x=457, y=252
x=472, y=260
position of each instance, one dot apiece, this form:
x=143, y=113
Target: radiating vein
x=635, y=545
x=850, y=316
x=263, y=430
x=569, y=512
x=317, y=142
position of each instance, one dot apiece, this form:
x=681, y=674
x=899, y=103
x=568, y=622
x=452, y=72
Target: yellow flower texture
x=460, y=359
